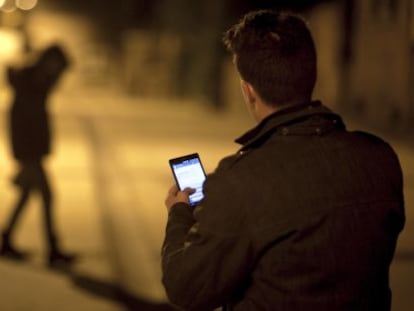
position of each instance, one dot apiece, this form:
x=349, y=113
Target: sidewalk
x=32, y=287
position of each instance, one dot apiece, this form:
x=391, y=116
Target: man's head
x=275, y=54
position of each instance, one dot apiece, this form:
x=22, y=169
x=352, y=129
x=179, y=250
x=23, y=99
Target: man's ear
x=248, y=91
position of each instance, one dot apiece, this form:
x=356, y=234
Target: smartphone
x=189, y=172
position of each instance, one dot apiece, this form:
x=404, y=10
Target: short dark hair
x=275, y=52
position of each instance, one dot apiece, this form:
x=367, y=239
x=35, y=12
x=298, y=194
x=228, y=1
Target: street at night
x=147, y=81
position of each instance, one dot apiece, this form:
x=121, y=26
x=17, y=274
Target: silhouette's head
x=275, y=53
x=53, y=60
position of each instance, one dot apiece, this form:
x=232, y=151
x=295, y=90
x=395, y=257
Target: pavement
x=110, y=173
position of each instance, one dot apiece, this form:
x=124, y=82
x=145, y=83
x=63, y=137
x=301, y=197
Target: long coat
x=29, y=126
x=304, y=217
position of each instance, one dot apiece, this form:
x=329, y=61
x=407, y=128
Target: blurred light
x=11, y=45
x=2, y=2
x=8, y=6
x=26, y=4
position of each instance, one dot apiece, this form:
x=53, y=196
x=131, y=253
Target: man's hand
x=175, y=196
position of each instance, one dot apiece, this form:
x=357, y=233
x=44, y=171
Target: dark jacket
x=304, y=217
x=29, y=126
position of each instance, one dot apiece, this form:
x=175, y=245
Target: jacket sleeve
x=206, y=255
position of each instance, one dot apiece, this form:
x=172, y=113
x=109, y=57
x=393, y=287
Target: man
x=30, y=141
x=306, y=215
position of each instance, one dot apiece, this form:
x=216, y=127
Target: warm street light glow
x=8, y=6
x=26, y=4
x=11, y=44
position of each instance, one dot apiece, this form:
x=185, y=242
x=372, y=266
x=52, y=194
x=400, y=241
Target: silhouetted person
x=30, y=137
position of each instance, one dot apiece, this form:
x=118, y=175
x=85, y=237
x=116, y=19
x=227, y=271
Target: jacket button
x=285, y=131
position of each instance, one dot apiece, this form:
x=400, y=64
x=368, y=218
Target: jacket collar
x=282, y=117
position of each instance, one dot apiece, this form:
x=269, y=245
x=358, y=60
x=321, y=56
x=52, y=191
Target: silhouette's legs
x=56, y=256
x=33, y=177
x=7, y=247
x=46, y=195
x=19, y=207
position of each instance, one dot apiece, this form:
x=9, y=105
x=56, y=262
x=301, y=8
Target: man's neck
x=266, y=110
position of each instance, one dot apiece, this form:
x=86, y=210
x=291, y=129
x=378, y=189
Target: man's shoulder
x=370, y=137
x=373, y=142
x=227, y=162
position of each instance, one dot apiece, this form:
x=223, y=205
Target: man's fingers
x=173, y=190
x=189, y=191
x=175, y=195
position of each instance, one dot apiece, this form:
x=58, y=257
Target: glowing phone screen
x=188, y=172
